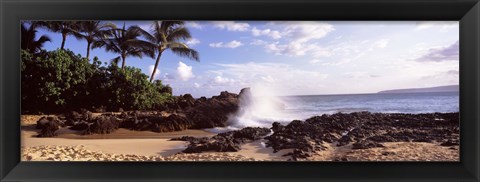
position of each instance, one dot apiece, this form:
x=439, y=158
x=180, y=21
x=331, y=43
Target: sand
x=133, y=145
x=126, y=145
x=393, y=151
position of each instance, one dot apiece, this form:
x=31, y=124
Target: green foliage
x=59, y=80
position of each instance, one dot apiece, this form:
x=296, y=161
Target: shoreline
x=129, y=145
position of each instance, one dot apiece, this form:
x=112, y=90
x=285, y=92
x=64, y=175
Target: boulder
x=173, y=122
x=298, y=135
x=213, y=112
x=449, y=143
x=80, y=126
x=224, y=142
x=213, y=144
x=185, y=101
x=43, y=121
x=73, y=117
x=103, y=125
x=156, y=122
x=49, y=129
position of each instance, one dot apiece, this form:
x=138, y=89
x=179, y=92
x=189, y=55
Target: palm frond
x=177, y=34
x=186, y=52
x=116, y=60
x=44, y=39
x=28, y=38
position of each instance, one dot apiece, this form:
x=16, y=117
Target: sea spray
x=260, y=107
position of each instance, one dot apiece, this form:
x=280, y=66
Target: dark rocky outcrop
x=80, y=126
x=155, y=122
x=103, y=125
x=449, y=143
x=301, y=136
x=224, y=142
x=48, y=126
x=185, y=101
x=43, y=121
x=213, y=112
x=49, y=129
x=363, y=130
x=74, y=117
x=360, y=130
x=215, y=144
x=185, y=112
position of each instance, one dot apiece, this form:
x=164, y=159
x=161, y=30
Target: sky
x=301, y=58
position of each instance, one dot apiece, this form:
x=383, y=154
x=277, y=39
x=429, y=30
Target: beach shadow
x=31, y=127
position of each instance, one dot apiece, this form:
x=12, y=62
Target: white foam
x=261, y=109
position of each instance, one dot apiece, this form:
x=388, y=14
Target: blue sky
x=301, y=58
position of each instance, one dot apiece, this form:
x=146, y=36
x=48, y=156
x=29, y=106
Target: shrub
x=59, y=80
x=54, y=79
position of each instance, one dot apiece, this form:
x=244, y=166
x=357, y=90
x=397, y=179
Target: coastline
x=142, y=146
x=128, y=145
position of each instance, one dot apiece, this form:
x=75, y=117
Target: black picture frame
x=465, y=11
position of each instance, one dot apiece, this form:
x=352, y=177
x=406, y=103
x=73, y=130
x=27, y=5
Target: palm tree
x=126, y=43
x=63, y=27
x=28, y=36
x=168, y=35
x=93, y=32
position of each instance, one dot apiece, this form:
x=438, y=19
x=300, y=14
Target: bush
x=131, y=90
x=54, y=79
x=57, y=81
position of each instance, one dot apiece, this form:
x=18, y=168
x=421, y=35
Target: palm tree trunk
x=64, y=37
x=123, y=63
x=155, y=67
x=88, y=49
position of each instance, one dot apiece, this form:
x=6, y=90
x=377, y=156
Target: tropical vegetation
x=60, y=80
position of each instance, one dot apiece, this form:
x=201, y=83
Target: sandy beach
x=127, y=145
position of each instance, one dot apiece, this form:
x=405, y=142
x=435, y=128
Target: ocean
x=264, y=111
x=381, y=102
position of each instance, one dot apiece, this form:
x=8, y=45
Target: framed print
x=155, y=90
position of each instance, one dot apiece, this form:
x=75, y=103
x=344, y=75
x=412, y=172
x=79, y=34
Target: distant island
x=447, y=88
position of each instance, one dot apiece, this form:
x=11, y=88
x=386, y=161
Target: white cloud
x=446, y=53
x=266, y=32
x=193, y=24
x=306, y=31
x=157, y=72
x=196, y=85
x=273, y=74
x=359, y=75
x=184, y=71
x=298, y=37
x=217, y=44
x=444, y=26
x=231, y=26
x=313, y=61
x=192, y=42
x=296, y=49
x=231, y=44
x=258, y=42
x=381, y=43
x=268, y=78
x=223, y=80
